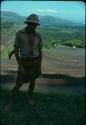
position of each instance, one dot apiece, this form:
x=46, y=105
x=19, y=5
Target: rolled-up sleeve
x=17, y=40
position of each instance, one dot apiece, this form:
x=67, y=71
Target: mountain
x=12, y=17
x=44, y=20
x=53, y=21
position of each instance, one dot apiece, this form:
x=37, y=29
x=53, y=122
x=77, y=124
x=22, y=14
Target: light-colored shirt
x=21, y=42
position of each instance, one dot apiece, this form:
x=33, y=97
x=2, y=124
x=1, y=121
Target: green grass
x=49, y=109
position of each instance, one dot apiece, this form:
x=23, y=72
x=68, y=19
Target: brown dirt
x=58, y=75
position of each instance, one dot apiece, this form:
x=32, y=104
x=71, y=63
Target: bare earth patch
x=63, y=71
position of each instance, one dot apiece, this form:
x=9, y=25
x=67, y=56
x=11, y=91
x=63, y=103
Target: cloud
x=40, y=10
x=52, y=10
x=46, y=11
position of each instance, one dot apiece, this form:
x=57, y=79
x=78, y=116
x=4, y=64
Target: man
x=28, y=53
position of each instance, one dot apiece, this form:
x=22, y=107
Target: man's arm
x=17, y=47
x=17, y=52
x=40, y=46
x=40, y=53
x=17, y=55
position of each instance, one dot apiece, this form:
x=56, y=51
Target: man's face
x=32, y=26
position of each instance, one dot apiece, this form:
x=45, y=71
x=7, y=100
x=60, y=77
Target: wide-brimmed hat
x=33, y=18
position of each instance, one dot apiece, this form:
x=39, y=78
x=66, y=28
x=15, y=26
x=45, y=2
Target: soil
x=64, y=75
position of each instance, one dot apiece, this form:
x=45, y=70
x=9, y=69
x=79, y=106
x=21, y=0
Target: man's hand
x=21, y=69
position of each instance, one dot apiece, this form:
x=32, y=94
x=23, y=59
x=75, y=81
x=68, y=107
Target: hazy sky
x=72, y=10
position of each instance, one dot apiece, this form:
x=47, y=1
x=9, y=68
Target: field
x=59, y=60
x=60, y=66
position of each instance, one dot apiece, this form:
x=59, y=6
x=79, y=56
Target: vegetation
x=52, y=37
x=59, y=36
x=49, y=109
x=75, y=42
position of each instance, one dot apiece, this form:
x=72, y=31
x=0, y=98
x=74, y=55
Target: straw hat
x=33, y=18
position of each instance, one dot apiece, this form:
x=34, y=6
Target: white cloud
x=40, y=10
x=46, y=10
x=52, y=10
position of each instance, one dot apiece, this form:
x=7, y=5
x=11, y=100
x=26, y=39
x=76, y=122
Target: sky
x=72, y=10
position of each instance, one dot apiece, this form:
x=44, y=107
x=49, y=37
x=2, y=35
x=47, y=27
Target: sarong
x=32, y=69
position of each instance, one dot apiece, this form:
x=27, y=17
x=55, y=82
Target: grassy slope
x=48, y=110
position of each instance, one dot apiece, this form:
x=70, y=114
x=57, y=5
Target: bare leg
x=14, y=92
x=30, y=91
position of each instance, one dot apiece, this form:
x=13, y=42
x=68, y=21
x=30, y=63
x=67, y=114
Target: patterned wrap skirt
x=32, y=69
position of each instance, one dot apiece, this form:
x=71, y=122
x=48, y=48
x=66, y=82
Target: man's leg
x=19, y=83
x=15, y=90
x=30, y=91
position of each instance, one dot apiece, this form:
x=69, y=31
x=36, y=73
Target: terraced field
x=63, y=71
x=61, y=60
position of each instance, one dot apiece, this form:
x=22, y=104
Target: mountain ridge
x=44, y=20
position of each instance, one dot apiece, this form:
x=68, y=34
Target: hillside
x=57, y=34
x=44, y=20
x=12, y=17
